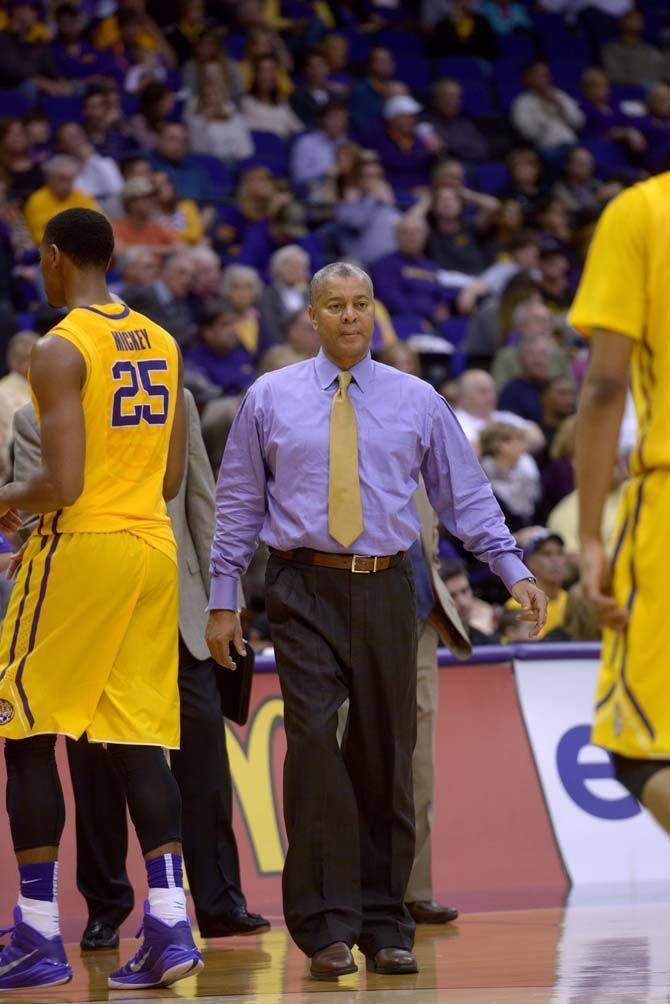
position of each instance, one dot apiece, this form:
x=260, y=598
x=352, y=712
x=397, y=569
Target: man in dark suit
x=200, y=765
x=438, y=621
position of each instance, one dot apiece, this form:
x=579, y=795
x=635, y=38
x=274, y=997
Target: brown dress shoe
x=393, y=962
x=333, y=961
x=430, y=912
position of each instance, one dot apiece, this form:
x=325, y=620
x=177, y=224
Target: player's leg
x=102, y=843
x=137, y=715
x=656, y=797
x=649, y=782
x=168, y=952
x=35, y=956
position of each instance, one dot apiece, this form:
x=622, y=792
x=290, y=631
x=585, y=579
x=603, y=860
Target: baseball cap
x=551, y=245
x=401, y=104
x=540, y=537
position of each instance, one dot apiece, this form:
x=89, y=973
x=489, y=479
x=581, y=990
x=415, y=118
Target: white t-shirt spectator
x=519, y=489
x=279, y=119
x=547, y=124
x=229, y=139
x=472, y=425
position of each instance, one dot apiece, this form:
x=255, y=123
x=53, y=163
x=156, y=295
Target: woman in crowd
x=263, y=107
x=18, y=165
x=155, y=106
x=241, y=288
x=257, y=194
x=512, y=472
x=183, y=216
x=210, y=54
x=216, y=127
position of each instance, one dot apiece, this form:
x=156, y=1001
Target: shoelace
x=138, y=953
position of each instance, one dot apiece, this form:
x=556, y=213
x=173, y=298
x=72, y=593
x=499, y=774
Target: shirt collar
x=327, y=371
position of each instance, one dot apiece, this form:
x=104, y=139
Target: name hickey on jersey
x=131, y=341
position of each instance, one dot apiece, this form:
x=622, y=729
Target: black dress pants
x=349, y=811
x=203, y=774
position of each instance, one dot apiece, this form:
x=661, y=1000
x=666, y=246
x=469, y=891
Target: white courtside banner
x=603, y=834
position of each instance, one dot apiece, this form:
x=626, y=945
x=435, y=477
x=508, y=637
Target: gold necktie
x=345, y=510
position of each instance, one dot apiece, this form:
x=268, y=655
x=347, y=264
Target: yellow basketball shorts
x=89, y=643
x=632, y=714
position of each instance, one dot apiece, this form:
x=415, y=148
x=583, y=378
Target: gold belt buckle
x=363, y=571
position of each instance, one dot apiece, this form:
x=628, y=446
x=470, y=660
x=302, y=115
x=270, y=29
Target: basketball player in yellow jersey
x=623, y=306
x=89, y=643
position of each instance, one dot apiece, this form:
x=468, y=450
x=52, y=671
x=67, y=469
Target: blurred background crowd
x=460, y=151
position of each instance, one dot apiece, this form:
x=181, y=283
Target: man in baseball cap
x=403, y=149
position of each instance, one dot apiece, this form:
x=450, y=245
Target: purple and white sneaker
x=167, y=954
x=31, y=960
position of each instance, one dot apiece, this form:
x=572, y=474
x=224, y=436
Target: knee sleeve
x=35, y=803
x=152, y=793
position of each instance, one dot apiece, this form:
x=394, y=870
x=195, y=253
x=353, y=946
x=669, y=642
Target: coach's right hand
x=223, y=627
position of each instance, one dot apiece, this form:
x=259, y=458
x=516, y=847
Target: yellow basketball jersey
x=129, y=402
x=625, y=289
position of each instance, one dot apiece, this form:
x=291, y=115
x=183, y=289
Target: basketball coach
x=322, y=462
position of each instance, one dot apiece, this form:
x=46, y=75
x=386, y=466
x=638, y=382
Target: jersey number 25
x=133, y=377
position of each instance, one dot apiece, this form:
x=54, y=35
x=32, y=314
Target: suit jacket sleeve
x=27, y=443
x=27, y=452
x=200, y=495
x=199, y=491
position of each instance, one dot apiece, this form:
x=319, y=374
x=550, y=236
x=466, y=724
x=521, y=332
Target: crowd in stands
x=460, y=151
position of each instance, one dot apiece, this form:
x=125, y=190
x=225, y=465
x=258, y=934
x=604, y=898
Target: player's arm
x=176, y=461
x=601, y=406
x=57, y=375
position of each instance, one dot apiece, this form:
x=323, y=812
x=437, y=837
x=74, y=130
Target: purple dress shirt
x=273, y=481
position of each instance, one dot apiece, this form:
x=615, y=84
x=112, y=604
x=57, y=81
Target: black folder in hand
x=235, y=685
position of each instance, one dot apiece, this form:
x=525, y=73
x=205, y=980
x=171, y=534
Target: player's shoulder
x=637, y=200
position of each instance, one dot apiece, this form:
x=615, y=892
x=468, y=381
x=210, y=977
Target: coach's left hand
x=533, y=604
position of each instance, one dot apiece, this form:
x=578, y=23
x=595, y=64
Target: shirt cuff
x=224, y=593
x=511, y=569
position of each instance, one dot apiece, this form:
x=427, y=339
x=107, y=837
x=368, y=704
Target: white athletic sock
x=168, y=905
x=41, y=915
x=167, y=901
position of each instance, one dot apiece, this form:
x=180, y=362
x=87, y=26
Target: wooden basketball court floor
x=613, y=954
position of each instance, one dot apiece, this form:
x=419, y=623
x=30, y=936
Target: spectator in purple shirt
x=461, y=137
x=406, y=155
x=603, y=120
x=74, y=57
x=523, y=395
x=98, y=118
x=287, y=226
x=406, y=282
x=218, y=353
